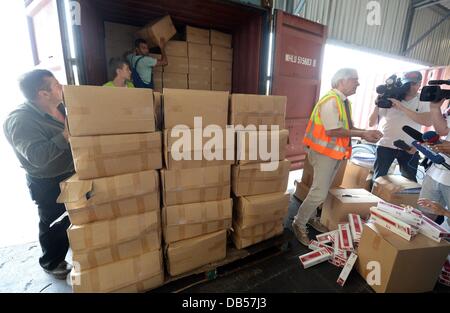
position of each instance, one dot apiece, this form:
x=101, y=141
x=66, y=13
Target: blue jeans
x=385, y=156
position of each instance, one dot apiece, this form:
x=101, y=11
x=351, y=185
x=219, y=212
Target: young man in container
x=328, y=142
x=121, y=73
x=142, y=64
x=38, y=133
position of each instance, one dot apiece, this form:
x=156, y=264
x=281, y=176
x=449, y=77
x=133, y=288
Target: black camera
x=434, y=93
x=394, y=88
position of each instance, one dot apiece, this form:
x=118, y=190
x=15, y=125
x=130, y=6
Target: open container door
x=297, y=66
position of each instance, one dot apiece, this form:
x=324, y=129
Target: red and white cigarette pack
x=432, y=230
x=326, y=237
x=315, y=245
x=410, y=215
x=315, y=257
x=347, y=269
x=339, y=253
x=345, y=237
x=444, y=281
x=356, y=226
x=392, y=223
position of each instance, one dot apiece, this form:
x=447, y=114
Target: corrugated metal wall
x=347, y=22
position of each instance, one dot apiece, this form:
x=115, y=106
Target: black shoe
x=61, y=271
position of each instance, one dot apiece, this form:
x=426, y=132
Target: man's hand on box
x=372, y=135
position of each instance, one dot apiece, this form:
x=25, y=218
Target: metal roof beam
x=299, y=7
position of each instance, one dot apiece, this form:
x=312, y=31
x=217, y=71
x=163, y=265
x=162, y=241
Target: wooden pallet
x=234, y=261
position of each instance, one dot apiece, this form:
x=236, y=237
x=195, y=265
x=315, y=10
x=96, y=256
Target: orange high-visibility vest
x=338, y=148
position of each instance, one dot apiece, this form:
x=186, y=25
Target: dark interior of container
x=247, y=24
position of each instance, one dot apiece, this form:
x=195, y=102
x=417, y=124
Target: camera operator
x=436, y=185
x=410, y=111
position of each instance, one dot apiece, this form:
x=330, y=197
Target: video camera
x=393, y=88
x=434, y=93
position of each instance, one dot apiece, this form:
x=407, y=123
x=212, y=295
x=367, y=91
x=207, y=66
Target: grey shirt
x=38, y=141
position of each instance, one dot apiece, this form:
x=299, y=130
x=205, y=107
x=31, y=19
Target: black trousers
x=53, y=240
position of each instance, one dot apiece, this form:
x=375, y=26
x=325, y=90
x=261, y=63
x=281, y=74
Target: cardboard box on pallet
x=189, y=153
x=186, y=221
x=341, y=202
x=245, y=237
x=254, y=210
x=176, y=48
x=258, y=110
x=93, y=110
x=219, y=53
x=110, y=232
x=197, y=35
x=181, y=106
x=356, y=176
x=199, y=51
x=250, y=179
x=195, y=185
x=200, y=66
x=405, y=266
x=121, y=274
x=220, y=39
x=176, y=65
x=199, y=81
x=248, y=144
x=396, y=189
x=101, y=156
x=153, y=32
x=308, y=174
x=208, y=249
x=91, y=258
x=175, y=80
x=143, y=285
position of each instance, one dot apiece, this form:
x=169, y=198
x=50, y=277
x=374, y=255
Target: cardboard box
x=220, y=39
x=249, y=236
x=250, y=179
x=393, y=189
x=176, y=48
x=254, y=210
x=93, y=110
x=158, y=82
x=341, y=202
x=192, y=220
x=405, y=266
x=101, y=156
x=219, y=53
x=258, y=110
x=194, y=156
x=157, y=100
x=356, y=176
x=109, y=232
x=178, y=65
x=221, y=66
x=187, y=255
x=175, y=80
x=308, y=174
x=117, y=275
x=181, y=106
x=221, y=81
x=301, y=190
x=199, y=51
x=198, y=35
x=91, y=258
x=81, y=213
x=144, y=285
x=195, y=185
x=85, y=193
x=200, y=66
x=248, y=144
x=153, y=32
x=199, y=81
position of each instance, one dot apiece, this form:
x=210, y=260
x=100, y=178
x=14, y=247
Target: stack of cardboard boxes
x=196, y=192
x=261, y=202
x=397, y=189
x=175, y=74
x=113, y=200
x=222, y=60
x=199, y=52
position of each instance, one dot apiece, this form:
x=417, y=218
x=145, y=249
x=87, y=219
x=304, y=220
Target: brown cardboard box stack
x=356, y=176
x=397, y=189
x=199, y=52
x=222, y=60
x=196, y=193
x=175, y=74
x=260, y=201
x=113, y=201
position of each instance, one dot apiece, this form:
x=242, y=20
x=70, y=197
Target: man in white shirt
x=436, y=185
x=411, y=112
